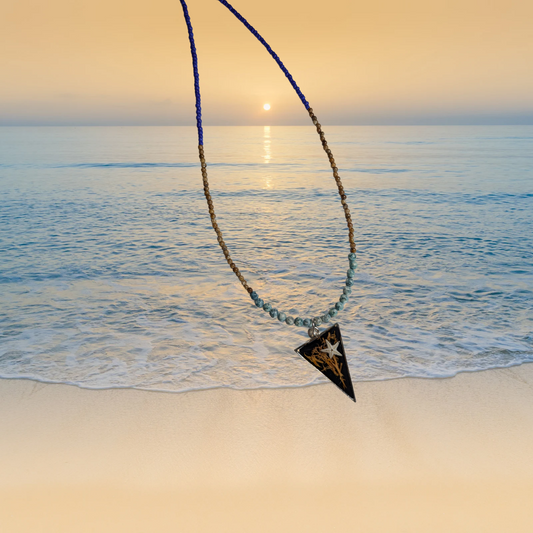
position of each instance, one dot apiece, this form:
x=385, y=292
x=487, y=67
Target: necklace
x=324, y=350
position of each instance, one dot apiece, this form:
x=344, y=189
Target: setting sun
x=266, y=107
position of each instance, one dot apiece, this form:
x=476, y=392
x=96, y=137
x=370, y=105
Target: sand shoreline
x=417, y=455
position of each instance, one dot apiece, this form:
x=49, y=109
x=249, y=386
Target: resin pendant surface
x=326, y=353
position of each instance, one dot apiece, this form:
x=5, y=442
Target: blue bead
x=339, y=306
x=282, y=316
x=317, y=320
x=307, y=322
x=254, y=296
x=259, y=302
x=298, y=321
x=343, y=298
x=350, y=273
x=349, y=282
x=274, y=313
x=332, y=312
x=325, y=318
x=353, y=264
x=289, y=320
x=267, y=307
x=347, y=290
x=351, y=256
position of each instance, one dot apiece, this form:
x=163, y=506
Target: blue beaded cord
x=270, y=51
x=196, y=75
x=274, y=313
x=256, y=34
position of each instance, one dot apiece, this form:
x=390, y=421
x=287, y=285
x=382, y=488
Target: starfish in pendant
x=331, y=349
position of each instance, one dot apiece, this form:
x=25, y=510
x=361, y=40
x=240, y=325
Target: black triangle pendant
x=326, y=353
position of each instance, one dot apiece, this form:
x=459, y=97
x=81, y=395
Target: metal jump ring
x=313, y=332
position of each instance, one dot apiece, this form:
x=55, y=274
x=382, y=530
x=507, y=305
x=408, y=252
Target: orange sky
x=357, y=62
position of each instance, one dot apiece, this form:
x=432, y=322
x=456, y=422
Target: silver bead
x=313, y=332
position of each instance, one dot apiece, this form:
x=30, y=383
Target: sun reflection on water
x=268, y=153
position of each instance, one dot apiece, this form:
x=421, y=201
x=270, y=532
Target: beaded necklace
x=324, y=350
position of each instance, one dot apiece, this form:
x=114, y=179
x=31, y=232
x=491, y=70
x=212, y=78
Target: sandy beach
x=412, y=455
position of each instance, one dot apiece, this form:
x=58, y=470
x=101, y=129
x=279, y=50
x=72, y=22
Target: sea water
x=111, y=274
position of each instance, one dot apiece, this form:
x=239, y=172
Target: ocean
x=111, y=275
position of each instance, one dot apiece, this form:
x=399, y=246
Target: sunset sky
x=118, y=62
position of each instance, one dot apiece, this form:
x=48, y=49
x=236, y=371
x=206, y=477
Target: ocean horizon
x=111, y=275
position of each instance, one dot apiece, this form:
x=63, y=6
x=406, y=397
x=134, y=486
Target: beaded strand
x=273, y=312
x=317, y=320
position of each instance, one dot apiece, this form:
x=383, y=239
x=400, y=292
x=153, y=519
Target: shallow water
x=111, y=275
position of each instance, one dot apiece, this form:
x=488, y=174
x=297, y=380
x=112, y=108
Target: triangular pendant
x=326, y=353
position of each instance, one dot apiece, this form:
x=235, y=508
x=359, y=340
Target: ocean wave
x=112, y=276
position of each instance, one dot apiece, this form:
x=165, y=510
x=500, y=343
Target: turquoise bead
x=298, y=321
x=267, y=307
x=349, y=282
x=325, y=318
x=351, y=256
x=332, y=312
x=259, y=302
x=347, y=290
x=353, y=264
x=282, y=316
x=254, y=296
x=350, y=273
x=343, y=298
x=339, y=306
x=274, y=313
x=317, y=320
x=289, y=320
x=307, y=322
